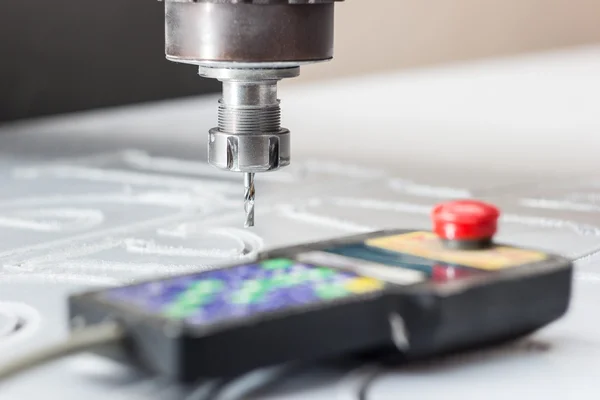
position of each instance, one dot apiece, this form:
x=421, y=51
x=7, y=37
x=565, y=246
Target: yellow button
x=363, y=285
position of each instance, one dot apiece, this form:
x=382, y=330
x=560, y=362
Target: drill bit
x=249, y=198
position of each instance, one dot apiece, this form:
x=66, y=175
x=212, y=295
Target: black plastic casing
x=187, y=353
x=421, y=320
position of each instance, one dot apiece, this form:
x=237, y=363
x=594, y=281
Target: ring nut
x=255, y=152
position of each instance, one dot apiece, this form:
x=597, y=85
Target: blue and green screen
x=225, y=294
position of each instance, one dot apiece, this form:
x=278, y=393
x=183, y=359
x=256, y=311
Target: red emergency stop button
x=469, y=221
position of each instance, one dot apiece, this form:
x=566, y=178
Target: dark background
x=60, y=56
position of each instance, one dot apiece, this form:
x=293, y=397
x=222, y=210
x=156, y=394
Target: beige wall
x=388, y=34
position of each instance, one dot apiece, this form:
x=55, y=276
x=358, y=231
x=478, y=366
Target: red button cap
x=465, y=220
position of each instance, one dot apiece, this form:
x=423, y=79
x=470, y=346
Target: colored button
x=465, y=220
x=363, y=285
x=277, y=263
x=331, y=291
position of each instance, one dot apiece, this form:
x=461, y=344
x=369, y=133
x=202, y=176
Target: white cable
x=85, y=339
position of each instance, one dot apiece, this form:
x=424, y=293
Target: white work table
x=101, y=198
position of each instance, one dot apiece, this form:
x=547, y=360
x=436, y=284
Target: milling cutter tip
x=249, y=194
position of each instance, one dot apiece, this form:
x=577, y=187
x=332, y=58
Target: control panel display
x=243, y=291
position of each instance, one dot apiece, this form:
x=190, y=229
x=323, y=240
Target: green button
x=254, y=285
x=181, y=310
x=331, y=291
x=320, y=273
x=194, y=298
x=277, y=263
x=287, y=280
x=275, y=282
x=206, y=286
x=200, y=293
x=246, y=297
